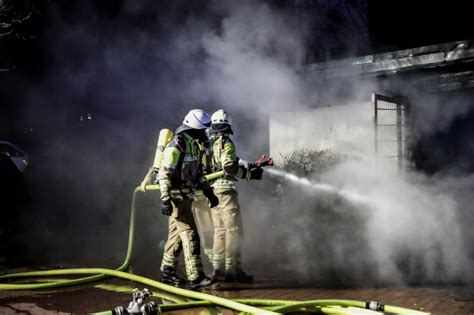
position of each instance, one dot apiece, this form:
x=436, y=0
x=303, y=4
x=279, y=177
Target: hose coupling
x=374, y=306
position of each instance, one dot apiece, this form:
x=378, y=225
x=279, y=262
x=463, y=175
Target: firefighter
x=226, y=216
x=179, y=176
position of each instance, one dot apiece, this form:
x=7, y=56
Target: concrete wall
x=347, y=129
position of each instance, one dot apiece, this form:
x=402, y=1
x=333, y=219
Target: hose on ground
x=254, y=306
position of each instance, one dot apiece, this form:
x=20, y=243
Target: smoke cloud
x=133, y=79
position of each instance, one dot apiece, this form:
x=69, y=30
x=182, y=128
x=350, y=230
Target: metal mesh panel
x=390, y=134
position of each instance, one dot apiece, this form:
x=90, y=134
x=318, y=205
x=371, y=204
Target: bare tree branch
x=7, y=69
x=354, y=21
x=16, y=22
x=6, y=33
x=363, y=17
x=13, y=14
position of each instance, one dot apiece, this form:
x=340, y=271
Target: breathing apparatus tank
x=163, y=139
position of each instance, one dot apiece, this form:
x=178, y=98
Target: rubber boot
x=169, y=276
x=238, y=276
x=217, y=275
x=199, y=282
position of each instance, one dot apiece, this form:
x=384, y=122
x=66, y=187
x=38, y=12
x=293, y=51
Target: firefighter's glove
x=256, y=173
x=213, y=200
x=166, y=207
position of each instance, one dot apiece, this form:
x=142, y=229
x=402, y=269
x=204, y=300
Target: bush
x=307, y=162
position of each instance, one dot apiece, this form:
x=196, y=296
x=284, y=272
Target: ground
x=447, y=299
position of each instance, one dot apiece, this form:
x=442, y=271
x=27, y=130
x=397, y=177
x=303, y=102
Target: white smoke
x=252, y=61
x=414, y=227
x=249, y=62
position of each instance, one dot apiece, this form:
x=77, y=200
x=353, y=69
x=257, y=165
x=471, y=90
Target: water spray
x=350, y=196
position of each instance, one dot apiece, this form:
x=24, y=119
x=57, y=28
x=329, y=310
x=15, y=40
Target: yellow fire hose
x=123, y=266
x=253, y=306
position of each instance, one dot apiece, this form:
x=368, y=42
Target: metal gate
x=390, y=128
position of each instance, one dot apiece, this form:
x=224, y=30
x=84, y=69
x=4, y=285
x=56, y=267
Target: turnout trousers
x=183, y=236
x=227, y=230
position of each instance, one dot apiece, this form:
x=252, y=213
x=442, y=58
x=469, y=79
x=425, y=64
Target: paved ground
x=112, y=293
x=437, y=299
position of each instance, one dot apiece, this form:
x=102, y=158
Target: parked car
x=17, y=156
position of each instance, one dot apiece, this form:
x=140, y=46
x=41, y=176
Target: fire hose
x=253, y=306
x=96, y=277
x=102, y=273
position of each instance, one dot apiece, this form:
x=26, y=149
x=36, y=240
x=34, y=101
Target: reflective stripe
x=224, y=184
x=192, y=146
x=193, y=263
x=209, y=253
x=218, y=261
x=169, y=261
x=223, y=154
x=188, y=158
x=230, y=264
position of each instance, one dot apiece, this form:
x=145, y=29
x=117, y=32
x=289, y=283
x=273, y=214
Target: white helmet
x=221, y=117
x=197, y=119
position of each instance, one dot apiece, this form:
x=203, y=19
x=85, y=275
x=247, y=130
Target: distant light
x=89, y=116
